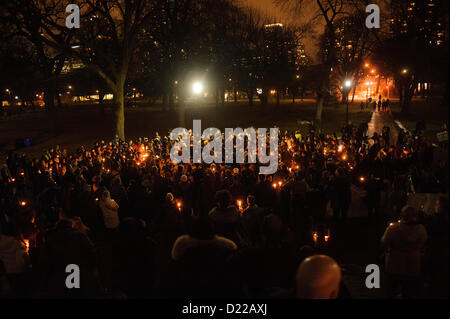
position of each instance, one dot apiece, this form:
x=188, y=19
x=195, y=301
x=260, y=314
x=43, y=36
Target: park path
x=377, y=121
x=380, y=119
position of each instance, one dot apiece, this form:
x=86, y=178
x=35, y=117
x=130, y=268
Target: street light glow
x=197, y=87
x=404, y=71
x=348, y=83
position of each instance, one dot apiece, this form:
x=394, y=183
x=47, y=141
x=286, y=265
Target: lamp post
x=347, y=87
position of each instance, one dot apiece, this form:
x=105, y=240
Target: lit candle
x=326, y=238
x=23, y=203
x=362, y=178
x=27, y=245
x=280, y=183
x=179, y=206
x=274, y=185
x=315, y=237
x=239, y=203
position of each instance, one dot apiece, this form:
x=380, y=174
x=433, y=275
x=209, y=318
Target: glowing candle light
x=280, y=183
x=362, y=178
x=274, y=185
x=239, y=203
x=27, y=245
x=315, y=237
x=179, y=205
x=23, y=203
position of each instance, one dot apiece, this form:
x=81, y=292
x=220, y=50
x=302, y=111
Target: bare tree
x=106, y=42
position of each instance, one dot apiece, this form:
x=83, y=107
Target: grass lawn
x=83, y=124
x=431, y=110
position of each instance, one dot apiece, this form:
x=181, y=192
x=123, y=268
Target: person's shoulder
x=224, y=242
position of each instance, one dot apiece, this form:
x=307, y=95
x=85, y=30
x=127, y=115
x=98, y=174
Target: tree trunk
x=217, y=97
x=354, y=88
x=120, y=112
x=164, y=101
x=181, y=111
x=58, y=99
x=101, y=103
x=319, y=110
x=49, y=99
x=222, y=98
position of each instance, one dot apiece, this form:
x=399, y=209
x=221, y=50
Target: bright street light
x=348, y=83
x=404, y=71
x=197, y=87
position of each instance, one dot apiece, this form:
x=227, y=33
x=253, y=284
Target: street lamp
x=348, y=85
x=197, y=88
x=404, y=71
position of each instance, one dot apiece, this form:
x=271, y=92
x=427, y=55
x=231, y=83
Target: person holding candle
x=403, y=242
x=225, y=217
x=15, y=261
x=110, y=210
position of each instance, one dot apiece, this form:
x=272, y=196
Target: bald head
x=318, y=277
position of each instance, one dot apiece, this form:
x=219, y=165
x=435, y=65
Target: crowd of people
x=138, y=225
